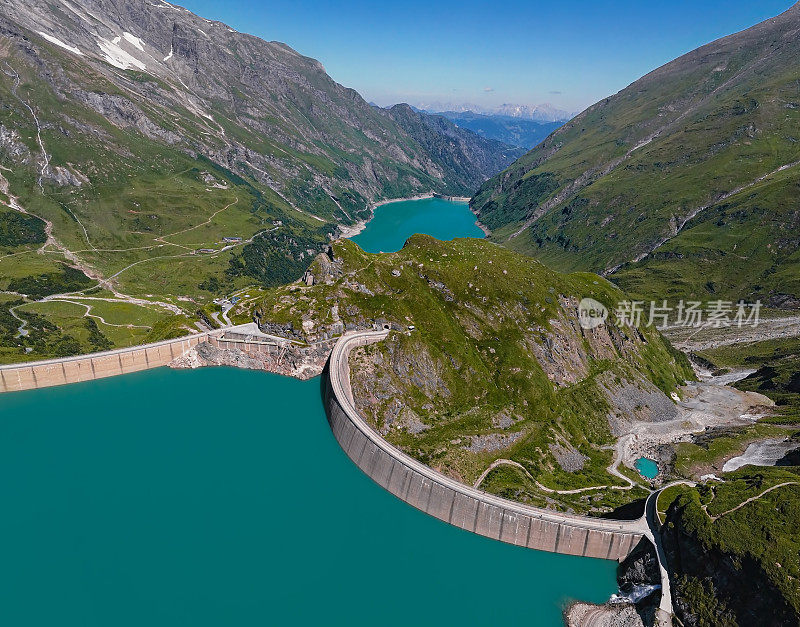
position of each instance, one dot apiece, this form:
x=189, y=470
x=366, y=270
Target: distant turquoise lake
x=394, y=223
x=220, y=497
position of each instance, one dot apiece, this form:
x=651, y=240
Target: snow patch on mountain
x=116, y=56
x=165, y=5
x=58, y=42
x=134, y=41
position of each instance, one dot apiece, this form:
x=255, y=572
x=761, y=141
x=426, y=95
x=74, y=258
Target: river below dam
x=219, y=496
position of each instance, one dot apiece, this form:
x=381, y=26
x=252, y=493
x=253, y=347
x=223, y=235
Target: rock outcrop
x=300, y=362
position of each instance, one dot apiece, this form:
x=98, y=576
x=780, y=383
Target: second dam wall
x=454, y=502
x=42, y=374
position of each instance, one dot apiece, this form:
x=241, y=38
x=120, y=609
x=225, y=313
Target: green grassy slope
x=741, y=567
x=496, y=367
x=682, y=169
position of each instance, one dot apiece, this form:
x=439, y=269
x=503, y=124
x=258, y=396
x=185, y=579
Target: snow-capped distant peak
x=544, y=112
x=58, y=42
x=536, y=113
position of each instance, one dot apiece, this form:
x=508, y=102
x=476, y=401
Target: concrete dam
x=452, y=501
x=42, y=374
x=406, y=478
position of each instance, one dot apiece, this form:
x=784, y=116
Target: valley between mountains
x=154, y=160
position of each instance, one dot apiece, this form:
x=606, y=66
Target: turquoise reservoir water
x=219, y=497
x=646, y=467
x=394, y=223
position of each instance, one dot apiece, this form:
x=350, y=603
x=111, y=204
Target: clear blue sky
x=569, y=53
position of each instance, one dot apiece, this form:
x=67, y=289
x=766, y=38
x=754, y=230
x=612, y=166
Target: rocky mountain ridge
x=216, y=77
x=681, y=184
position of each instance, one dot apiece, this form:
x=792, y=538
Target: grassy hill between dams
x=733, y=548
x=496, y=366
x=684, y=184
x=188, y=163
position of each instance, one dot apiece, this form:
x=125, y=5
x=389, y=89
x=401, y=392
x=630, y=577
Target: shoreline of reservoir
x=443, y=218
x=346, y=232
x=486, y=231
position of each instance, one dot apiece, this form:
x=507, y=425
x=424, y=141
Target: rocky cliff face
x=301, y=362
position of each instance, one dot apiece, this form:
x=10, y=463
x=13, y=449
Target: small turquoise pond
x=647, y=468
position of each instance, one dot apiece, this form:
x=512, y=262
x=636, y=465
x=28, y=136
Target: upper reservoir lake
x=220, y=497
x=395, y=222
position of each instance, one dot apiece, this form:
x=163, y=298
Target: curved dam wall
x=42, y=374
x=454, y=502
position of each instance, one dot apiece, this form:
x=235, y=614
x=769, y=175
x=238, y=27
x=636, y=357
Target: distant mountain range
x=538, y=113
x=520, y=131
x=684, y=184
x=516, y=131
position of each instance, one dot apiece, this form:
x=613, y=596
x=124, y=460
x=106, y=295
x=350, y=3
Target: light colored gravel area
x=702, y=405
x=688, y=339
x=588, y=615
x=764, y=453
